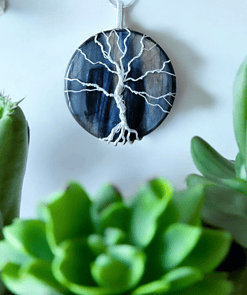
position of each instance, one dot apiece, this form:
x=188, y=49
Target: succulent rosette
x=225, y=181
x=152, y=243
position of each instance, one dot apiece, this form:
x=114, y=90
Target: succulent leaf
x=120, y=269
x=111, y=273
x=32, y=278
x=194, y=179
x=114, y=236
x=71, y=265
x=29, y=237
x=75, y=204
x=156, y=287
x=182, y=277
x=9, y=253
x=240, y=109
x=176, y=244
x=236, y=225
x=147, y=206
x=96, y=244
x=177, y=279
x=106, y=195
x=116, y=215
x=210, y=250
x=209, y=162
x=212, y=284
x=240, y=167
x=227, y=200
x=239, y=185
x=189, y=204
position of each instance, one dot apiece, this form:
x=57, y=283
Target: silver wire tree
x=115, y=53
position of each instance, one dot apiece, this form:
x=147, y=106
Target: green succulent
x=151, y=244
x=225, y=181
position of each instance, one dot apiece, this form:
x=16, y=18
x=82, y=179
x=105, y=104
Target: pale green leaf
x=176, y=244
x=71, y=267
x=240, y=109
x=32, y=278
x=29, y=237
x=209, y=162
x=67, y=215
x=210, y=250
x=147, y=207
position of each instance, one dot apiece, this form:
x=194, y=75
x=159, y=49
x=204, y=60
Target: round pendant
x=120, y=85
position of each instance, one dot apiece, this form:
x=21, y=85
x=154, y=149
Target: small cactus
x=13, y=156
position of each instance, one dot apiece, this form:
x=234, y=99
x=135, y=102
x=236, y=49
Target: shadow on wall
x=185, y=62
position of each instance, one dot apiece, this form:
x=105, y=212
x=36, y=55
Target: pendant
x=120, y=85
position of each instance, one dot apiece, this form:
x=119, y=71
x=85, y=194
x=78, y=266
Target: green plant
x=225, y=181
x=152, y=244
x=13, y=155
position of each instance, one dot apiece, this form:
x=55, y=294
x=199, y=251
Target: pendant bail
x=120, y=8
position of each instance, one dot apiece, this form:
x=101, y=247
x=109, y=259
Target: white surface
x=206, y=40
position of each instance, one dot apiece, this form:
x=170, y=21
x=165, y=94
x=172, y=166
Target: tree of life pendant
x=120, y=85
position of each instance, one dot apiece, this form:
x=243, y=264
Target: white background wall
x=206, y=40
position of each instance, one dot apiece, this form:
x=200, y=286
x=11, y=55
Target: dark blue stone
x=98, y=113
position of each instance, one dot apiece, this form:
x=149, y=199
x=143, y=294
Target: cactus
x=13, y=155
x=151, y=244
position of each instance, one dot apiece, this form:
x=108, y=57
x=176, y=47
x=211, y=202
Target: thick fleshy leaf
x=10, y=254
x=29, y=237
x=239, y=185
x=96, y=244
x=240, y=167
x=67, y=215
x=209, y=162
x=182, y=277
x=177, y=279
x=227, y=200
x=176, y=244
x=71, y=267
x=114, y=236
x=189, y=204
x=110, y=273
x=240, y=109
x=32, y=278
x=210, y=250
x=106, y=195
x=120, y=269
x=156, y=287
x=115, y=215
x=236, y=225
x=106, y=200
x=213, y=284
x=195, y=179
x=147, y=206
